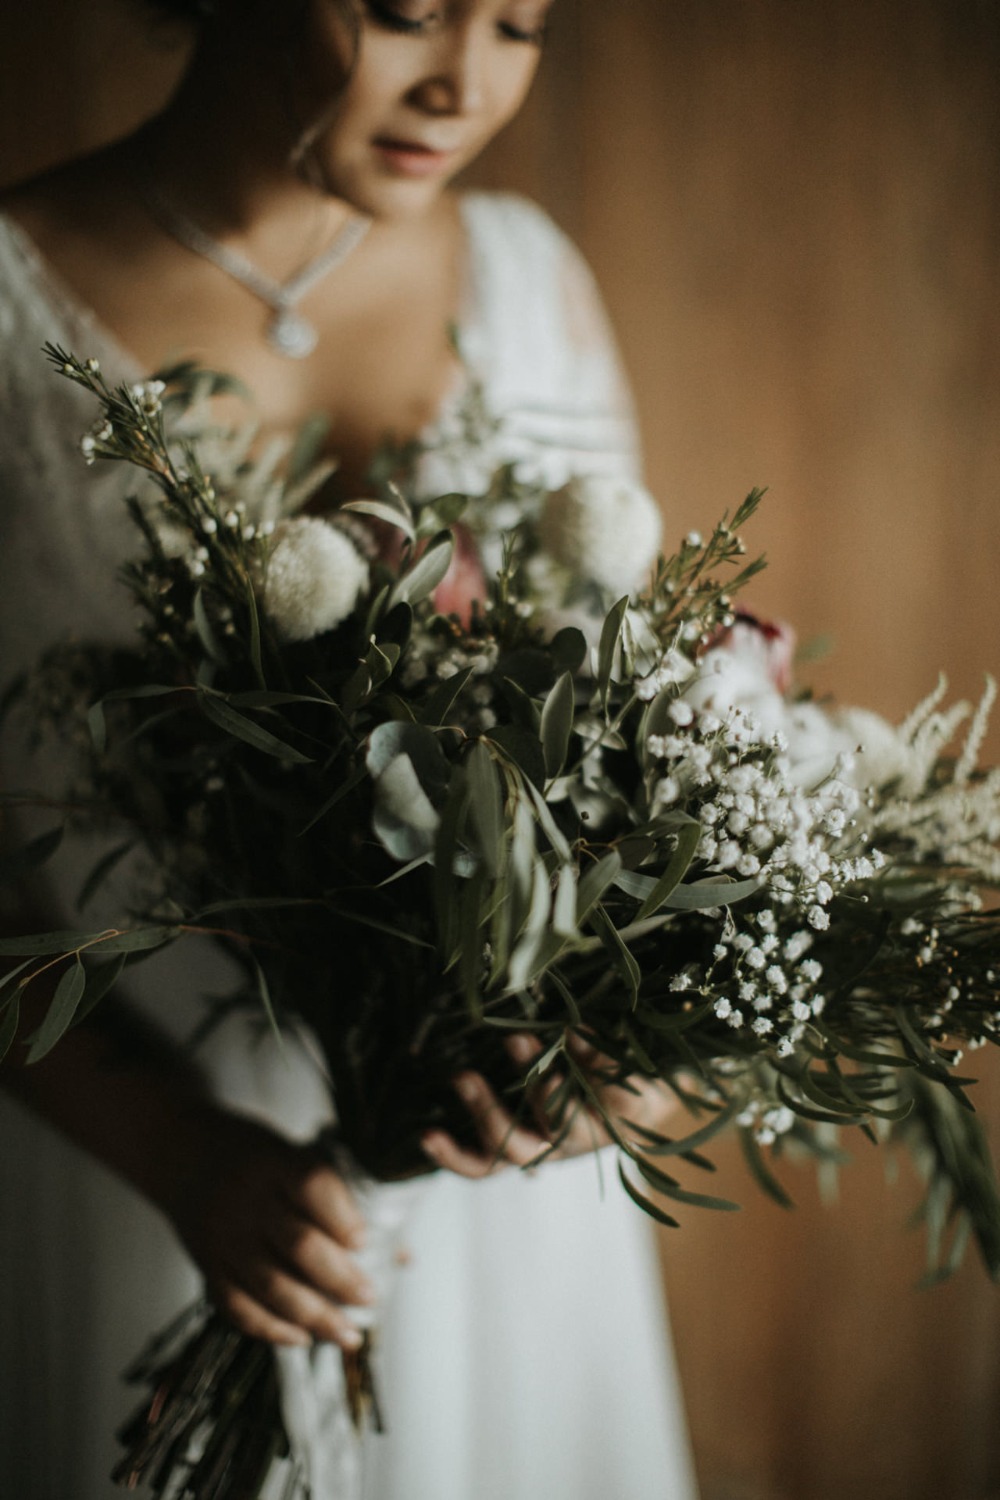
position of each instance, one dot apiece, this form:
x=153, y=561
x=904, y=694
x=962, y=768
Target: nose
x=455, y=82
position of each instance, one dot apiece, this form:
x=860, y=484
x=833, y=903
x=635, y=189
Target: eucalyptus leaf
x=519, y=875
x=566, y=995
x=530, y=668
x=381, y=661
x=256, y=648
x=548, y=824
x=442, y=698
x=764, y=1176
x=422, y=578
x=216, y=708
x=524, y=749
x=569, y=649
x=616, y=946
x=656, y=719
x=445, y=510
x=353, y=779
x=486, y=806
x=382, y=510
x=356, y=689
x=404, y=818
x=595, y=882
x=664, y=1183
x=688, y=839
x=646, y=1204
x=701, y=895
x=135, y=940
x=523, y=960
x=688, y=1144
x=635, y=884
x=206, y=633
x=420, y=744
x=10, y=977
x=564, y=905
x=9, y=1023
x=557, y=724
x=62, y=1008
x=446, y=847
x=471, y=934
x=101, y=980
x=524, y=711
x=606, y=651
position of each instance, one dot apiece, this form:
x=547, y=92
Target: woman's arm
x=269, y=1222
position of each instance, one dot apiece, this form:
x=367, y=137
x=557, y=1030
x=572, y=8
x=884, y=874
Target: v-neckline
x=73, y=312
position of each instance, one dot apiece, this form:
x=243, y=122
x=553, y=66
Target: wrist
x=179, y=1153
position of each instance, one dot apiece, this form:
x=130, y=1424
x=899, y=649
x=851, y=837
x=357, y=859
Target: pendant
x=291, y=335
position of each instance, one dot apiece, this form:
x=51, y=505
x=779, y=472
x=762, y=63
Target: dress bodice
x=533, y=337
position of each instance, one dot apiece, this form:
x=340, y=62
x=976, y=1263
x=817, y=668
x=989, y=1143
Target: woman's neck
x=223, y=152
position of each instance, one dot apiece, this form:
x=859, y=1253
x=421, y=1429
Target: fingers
x=574, y=1125
x=272, y=1229
x=557, y=1132
x=268, y=1297
x=502, y=1140
x=445, y=1152
x=500, y=1134
x=569, y=1126
x=254, y=1320
x=323, y=1197
x=313, y=1257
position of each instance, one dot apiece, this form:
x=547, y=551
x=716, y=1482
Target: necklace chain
x=288, y=332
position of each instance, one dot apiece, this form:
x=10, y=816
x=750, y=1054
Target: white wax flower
x=314, y=576
x=603, y=529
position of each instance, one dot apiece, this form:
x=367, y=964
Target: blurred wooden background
x=794, y=211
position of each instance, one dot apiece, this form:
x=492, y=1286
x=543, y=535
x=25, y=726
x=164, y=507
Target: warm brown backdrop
x=794, y=209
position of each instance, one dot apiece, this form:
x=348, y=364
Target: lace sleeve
x=592, y=343
x=63, y=527
x=536, y=336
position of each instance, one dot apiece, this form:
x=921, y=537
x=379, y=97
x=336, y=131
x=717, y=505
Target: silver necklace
x=288, y=332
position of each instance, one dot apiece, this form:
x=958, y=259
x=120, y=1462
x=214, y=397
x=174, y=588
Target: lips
x=413, y=158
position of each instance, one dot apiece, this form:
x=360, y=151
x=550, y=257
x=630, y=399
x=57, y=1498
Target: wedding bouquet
x=582, y=804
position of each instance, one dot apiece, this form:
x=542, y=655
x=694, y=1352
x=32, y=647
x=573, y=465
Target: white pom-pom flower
x=603, y=528
x=313, y=577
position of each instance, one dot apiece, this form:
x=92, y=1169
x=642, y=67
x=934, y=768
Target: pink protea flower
x=464, y=581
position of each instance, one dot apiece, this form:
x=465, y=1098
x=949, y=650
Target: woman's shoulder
x=19, y=269
x=31, y=295
x=531, y=290
x=511, y=228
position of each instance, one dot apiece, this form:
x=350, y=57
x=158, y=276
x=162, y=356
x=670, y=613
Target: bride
x=288, y=218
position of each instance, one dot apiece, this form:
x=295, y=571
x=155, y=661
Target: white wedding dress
x=524, y=1350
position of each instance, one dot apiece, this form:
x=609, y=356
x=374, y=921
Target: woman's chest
x=383, y=361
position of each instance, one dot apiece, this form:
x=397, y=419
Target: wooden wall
x=794, y=210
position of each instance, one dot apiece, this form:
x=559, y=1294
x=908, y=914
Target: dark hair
x=184, y=10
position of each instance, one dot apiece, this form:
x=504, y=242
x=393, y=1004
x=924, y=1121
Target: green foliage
x=425, y=833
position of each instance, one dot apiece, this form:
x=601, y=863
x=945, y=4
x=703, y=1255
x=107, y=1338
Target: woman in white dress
x=524, y=1349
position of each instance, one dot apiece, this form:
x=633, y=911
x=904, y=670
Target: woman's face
x=431, y=83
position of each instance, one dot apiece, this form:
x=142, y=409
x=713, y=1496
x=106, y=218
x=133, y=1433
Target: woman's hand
x=270, y=1223
x=272, y=1226
x=505, y=1140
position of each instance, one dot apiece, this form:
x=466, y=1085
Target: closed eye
x=384, y=15
x=535, y=37
x=393, y=20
